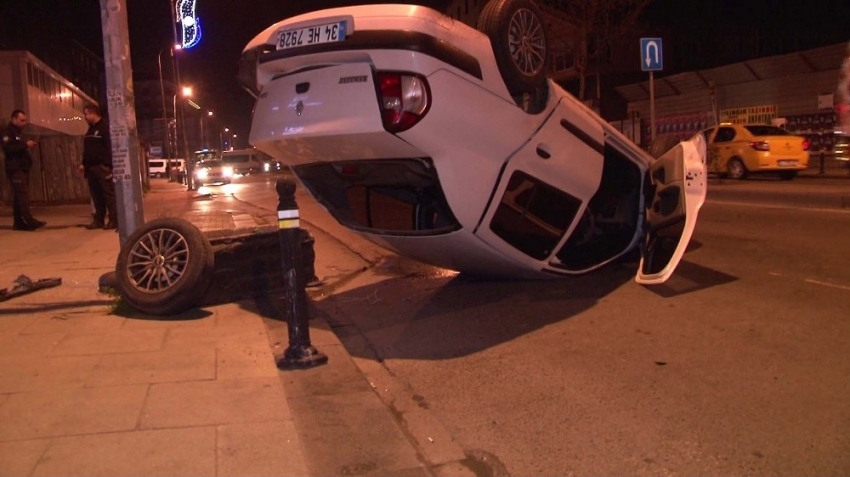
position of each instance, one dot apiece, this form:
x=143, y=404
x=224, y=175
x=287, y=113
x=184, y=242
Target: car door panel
x=675, y=190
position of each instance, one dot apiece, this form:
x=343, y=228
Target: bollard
x=822, y=165
x=300, y=353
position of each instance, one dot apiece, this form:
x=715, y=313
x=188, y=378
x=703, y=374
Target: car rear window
x=766, y=131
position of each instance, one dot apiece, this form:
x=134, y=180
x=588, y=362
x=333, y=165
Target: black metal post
x=300, y=353
x=822, y=147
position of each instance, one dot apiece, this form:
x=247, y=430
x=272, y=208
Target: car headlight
x=227, y=171
x=202, y=173
x=266, y=167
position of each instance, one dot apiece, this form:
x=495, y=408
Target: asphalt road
x=739, y=365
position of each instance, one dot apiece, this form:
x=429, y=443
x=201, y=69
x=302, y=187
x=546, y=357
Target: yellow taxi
x=737, y=150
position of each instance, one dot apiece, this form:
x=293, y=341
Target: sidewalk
x=88, y=389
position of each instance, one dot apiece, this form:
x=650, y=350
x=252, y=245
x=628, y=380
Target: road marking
x=775, y=206
x=826, y=284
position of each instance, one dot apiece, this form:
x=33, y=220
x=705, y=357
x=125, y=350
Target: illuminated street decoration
x=189, y=23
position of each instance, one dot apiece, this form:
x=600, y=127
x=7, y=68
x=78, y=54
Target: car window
x=533, y=216
x=707, y=134
x=156, y=163
x=210, y=164
x=241, y=158
x=759, y=130
x=724, y=134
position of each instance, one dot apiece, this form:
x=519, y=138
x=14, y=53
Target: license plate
x=314, y=35
x=787, y=163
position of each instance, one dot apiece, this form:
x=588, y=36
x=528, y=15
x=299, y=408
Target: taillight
x=404, y=100
x=806, y=144
x=760, y=146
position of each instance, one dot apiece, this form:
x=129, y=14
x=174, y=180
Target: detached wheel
x=165, y=267
x=517, y=34
x=735, y=169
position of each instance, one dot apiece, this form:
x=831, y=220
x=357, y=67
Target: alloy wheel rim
x=158, y=260
x=527, y=42
x=735, y=169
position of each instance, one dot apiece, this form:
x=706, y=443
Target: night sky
x=228, y=25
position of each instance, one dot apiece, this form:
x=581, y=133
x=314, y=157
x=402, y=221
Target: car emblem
x=787, y=146
x=299, y=108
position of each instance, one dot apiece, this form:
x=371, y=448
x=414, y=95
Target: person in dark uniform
x=18, y=164
x=97, y=168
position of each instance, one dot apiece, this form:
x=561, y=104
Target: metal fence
x=54, y=178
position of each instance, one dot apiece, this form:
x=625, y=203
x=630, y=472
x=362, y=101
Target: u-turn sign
x=651, y=58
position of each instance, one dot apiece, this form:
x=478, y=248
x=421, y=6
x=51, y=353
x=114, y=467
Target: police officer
x=97, y=167
x=18, y=164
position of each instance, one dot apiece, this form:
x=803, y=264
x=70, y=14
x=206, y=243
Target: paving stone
x=29, y=345
x=18, y=459
x=74, y=323
x=70, y=412
x=166, y=453
x=28, y=373
x=366, y=440
x=203, y=403
x=260, y=449
x=214, y=336
x=237, y=360
x=172, y=365
x=13, y=324
x=123, y=341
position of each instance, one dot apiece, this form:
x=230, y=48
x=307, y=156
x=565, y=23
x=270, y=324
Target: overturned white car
x=448, y=144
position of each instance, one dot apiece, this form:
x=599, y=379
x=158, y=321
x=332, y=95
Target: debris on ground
x=23, y=285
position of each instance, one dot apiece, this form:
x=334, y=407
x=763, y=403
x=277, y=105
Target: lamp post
x=190, y=162
x=164, y=114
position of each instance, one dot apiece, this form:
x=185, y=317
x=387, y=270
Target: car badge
x=787, y=146
x=299, y=108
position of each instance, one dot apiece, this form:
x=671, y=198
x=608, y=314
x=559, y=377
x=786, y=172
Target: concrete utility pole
x=122, y=117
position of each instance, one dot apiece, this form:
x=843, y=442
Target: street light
x=164, y=114
x=190, y=163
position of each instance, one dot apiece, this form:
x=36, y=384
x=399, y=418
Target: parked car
x=212, y=172
x=156, y=168
x=448, y=144
x=738, y=150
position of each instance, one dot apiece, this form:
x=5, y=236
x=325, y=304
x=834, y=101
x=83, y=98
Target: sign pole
x=652, y=103
x=122, y=117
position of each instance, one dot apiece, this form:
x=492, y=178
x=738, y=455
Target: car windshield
x=766, y=131
x=210, y=164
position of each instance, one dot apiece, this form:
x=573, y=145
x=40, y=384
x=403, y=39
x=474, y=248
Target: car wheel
x=735, y=169
x=165, y=267
x=787, y=175
x=518, y=36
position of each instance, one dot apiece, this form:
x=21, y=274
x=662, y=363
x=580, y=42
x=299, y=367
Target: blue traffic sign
x=651, y=58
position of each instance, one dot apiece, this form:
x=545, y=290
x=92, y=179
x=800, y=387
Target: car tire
x=787, y=175
x=735, y=169
x=518, y=36
x=165, y=267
